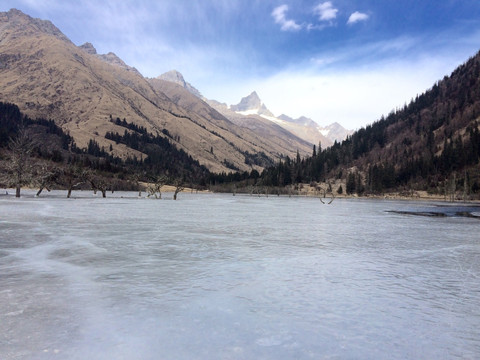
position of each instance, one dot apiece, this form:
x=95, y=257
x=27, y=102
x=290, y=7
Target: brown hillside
x=47, y=75
x=269, y=137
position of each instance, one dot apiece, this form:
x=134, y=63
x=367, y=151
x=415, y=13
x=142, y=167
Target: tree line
x=37, y=152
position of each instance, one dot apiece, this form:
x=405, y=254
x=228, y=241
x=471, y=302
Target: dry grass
x=48, y=76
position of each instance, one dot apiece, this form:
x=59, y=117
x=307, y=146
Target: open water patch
x=470, y=211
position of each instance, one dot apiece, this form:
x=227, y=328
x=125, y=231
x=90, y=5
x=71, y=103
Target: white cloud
x=325, y=11
x=367, y=53
x=357, y=17
x=352, y=97
x=279, y=14
x=353, y=84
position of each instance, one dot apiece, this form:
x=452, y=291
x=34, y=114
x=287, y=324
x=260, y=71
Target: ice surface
x=223, y=277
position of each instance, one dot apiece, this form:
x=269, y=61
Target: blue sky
x=340, y=60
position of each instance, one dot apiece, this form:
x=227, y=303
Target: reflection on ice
x=222, y=277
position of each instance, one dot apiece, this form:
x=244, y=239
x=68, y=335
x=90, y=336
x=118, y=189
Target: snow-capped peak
x=251, y=105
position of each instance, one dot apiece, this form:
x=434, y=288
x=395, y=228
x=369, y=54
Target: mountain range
x=303, y=127
x=48, y=76
x=252, y=108
x=108, y=116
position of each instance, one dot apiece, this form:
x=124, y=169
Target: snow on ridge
x=257, y=112
x=248, y=112
x=274, y=119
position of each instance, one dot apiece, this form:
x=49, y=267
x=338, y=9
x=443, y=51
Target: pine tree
x=351, y=183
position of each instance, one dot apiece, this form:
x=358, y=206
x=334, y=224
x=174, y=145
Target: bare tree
x=74, y=176
x=155, y=189
x=266, y=190
x=135, y=178
x=453, y=187
x=450, y=187
x=333, y=198
x=45, y=177
x=258, y=188
x=290, y=190
x=98, y=183
x=465, y=186
x=178, y=188
x=325, y=192
x=19, y=167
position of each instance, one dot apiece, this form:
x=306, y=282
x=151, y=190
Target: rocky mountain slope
x=303, y=127
x=251, y=113
x=258, y=131
x=250, y=105
x=177, y=78
x=260, y=126
x=48, y=76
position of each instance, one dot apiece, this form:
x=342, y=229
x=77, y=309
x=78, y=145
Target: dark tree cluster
x=12, y=121
x=259, y=159
x=10, y=118
x=161, y=155
x=52, y=158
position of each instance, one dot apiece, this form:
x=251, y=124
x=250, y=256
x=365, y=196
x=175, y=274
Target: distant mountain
x=250, y=105
x=335, y=132
x=89, y=48
x=303, y=127
x=304, y=121
x=109, y=58
x=112, y=59
x=49, y=77
x=274, y=138
x=177, y=78
x=251, y=112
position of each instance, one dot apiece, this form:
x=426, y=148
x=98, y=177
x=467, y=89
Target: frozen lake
x=235, y=277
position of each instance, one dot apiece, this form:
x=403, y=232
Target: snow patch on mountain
x=251, y=105
x=248, y=112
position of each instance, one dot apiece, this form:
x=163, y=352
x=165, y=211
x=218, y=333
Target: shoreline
x=169, y=189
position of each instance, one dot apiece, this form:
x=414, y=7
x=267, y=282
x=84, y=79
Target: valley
x=144, y=128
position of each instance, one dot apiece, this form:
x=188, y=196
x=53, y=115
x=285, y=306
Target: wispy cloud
x=279, y=14
x=226, y=56
x=325, y=11
x=357, y=17
x=351, y=97
x=366, y=53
